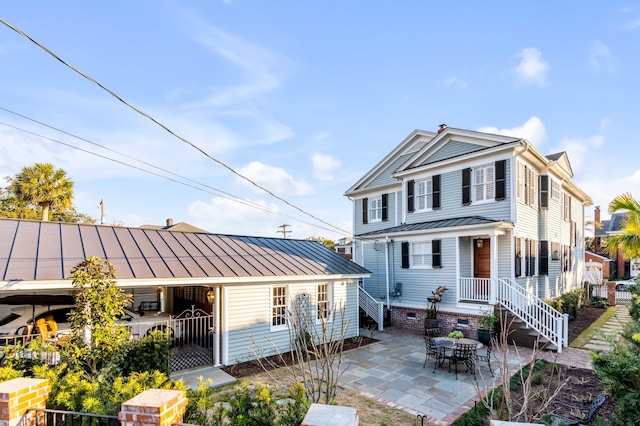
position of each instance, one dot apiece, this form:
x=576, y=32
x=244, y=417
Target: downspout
x=386, y=266
x=514, y=182
x=514, y=201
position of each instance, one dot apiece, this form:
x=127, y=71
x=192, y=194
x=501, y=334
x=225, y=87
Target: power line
x=216, y=192
x=144, y=114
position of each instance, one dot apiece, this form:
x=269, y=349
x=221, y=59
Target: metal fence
x=46, y=417
x=599, y=290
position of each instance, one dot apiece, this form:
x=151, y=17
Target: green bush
x=150, y=353
x=246, y=405
x=569, y=303
x=72, y=389
x=599, y=302
x=619, y=371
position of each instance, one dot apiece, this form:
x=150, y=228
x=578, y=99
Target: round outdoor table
x=450, y=343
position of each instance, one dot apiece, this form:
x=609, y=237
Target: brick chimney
x=442, y=127
x=596, y=215
x=169, y=222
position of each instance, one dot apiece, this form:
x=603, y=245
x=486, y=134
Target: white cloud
x=222, y=215
x=532, y=130
x=275, y=179
x=453, y=80
x=578, y=149
x=324, y=166
x=601, y=57
x=531, y=69
x=631, y=25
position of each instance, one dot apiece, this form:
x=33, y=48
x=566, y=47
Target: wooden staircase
x=523, y=335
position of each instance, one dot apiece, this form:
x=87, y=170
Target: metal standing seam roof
x=435, y=224
x=36, y=250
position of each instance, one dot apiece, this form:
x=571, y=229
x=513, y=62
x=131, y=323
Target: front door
x=482, y=265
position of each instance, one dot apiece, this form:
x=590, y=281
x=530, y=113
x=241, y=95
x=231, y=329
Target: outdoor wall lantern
x=479, y=243
x=211, y=296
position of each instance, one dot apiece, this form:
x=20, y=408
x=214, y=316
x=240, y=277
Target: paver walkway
x=612, y=328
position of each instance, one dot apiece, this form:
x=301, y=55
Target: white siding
x=249, y=317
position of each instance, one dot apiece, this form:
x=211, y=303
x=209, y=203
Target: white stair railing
x=372, y=307
x=536, y=314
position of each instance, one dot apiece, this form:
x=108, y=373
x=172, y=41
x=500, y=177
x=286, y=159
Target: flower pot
x=430, y=324
x=485, y=336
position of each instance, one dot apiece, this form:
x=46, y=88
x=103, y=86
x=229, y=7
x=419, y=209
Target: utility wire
x=144, y=114
x=214, y=191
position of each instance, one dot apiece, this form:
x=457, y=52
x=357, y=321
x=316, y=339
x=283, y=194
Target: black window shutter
x=544, y=258
x=500, y=183
x=410, y=192
x=466, y=187
x=544, y=191
x=518, y=265
x=527, y=258
x=436, y=256
x=435, y=181
x=405, y=255
x=365, y=210
x=385, y=201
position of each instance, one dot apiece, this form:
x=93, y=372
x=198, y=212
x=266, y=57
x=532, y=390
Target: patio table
x=447, y=344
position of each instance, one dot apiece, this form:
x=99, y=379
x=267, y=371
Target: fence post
x=611, y=293
x=565, y=329
x=161, y=407
x=19, y=395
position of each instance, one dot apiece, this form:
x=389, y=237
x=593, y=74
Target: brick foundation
x=414, y=319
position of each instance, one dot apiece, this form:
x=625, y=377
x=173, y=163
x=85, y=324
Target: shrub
x=619, y=370
x=246, y=405
x=568, y=303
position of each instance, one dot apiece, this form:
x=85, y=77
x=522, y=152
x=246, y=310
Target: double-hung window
x=323, y=299
x=424, y=194
x=375, y=209
x=421, y=255
x=279, y=307
x=483, y=183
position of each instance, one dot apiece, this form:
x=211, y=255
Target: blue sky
x=305, y=97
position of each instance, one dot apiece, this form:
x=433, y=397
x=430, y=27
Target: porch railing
x=372, y=307
x=536, y=314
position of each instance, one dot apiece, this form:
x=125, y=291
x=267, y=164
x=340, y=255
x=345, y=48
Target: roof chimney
x=596, y=215
x=169, y=222
x=442, y=127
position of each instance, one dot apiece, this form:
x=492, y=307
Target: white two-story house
x=488, y=216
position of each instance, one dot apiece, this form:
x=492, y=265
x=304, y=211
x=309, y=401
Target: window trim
x=273, y=306
x=488, y=186
x=329, y=303
x=375, y=205
x=427, y=196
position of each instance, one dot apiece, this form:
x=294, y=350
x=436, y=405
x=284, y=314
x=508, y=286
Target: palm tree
x=629, y=240
x=43, y=185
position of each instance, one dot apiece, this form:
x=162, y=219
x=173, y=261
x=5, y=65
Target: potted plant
x=431, y=314
x=486, y=326
x=456, y=335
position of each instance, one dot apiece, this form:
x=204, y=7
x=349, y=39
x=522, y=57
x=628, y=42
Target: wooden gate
x=194, y=347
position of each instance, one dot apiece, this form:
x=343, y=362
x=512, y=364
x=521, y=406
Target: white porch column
x=494, y=268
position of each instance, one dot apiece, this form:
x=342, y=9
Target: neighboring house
x=344, y=246
x=484, y=215
x=619, y=267
x=180, y=226
x=253, y=281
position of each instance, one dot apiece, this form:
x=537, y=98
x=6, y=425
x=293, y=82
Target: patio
x=391, y=372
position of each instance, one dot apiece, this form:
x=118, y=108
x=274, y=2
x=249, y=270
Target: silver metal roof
x=435, y=225
x=36, y=250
